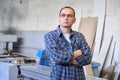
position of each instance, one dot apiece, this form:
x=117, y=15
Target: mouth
x=66, y=21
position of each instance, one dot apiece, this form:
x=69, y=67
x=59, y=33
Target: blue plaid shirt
x=61, y=51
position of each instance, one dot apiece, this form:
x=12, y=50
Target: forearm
x=83, y=60
x=76, y=54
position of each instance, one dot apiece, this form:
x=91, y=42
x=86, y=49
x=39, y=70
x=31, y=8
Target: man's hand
x=77, y=53
x=74, y=62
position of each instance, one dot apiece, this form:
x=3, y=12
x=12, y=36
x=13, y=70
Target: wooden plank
x=116, y=72
x=88, y=28
x=108, y=68
x=109, y=57
x=99, y=11
x=88, y=70
x=104, y=50
x=108, y=72
x=116, y=60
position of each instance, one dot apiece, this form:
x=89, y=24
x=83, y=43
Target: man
x=68, y=50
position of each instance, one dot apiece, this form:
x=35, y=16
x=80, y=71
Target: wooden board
x=108, y=68
x=108, y=72
x=88, y=70
x=109, y=57
x=88, y=28
x=116, y=60
x=99, y=11
x=104, y=50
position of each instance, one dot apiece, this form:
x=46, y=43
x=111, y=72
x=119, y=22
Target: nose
x=66, y=17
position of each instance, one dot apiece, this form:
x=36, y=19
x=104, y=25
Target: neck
x=65, y=30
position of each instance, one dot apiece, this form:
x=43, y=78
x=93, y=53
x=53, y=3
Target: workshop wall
x=37, y=15
x=42, y=15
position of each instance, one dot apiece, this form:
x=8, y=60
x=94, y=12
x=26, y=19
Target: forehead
x=67, y=11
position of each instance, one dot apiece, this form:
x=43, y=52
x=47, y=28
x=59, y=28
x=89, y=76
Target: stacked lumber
x=105, y=57
x=110, y=67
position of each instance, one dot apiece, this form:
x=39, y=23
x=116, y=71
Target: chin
x=66, y=26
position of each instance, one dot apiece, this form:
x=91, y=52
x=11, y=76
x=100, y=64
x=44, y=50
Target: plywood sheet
x=109, y=57
x=104, y=51
x=88, y=27
x=88, y=70
x=99, y=7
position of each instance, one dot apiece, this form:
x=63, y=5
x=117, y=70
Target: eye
x=63, y=15
x=68, y=15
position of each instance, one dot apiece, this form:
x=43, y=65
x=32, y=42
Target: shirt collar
x=59, y=32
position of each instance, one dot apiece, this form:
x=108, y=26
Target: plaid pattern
x=61, y=52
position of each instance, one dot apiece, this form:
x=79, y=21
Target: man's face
x=67, y=18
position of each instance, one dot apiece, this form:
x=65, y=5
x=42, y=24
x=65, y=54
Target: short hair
x=69, y=8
